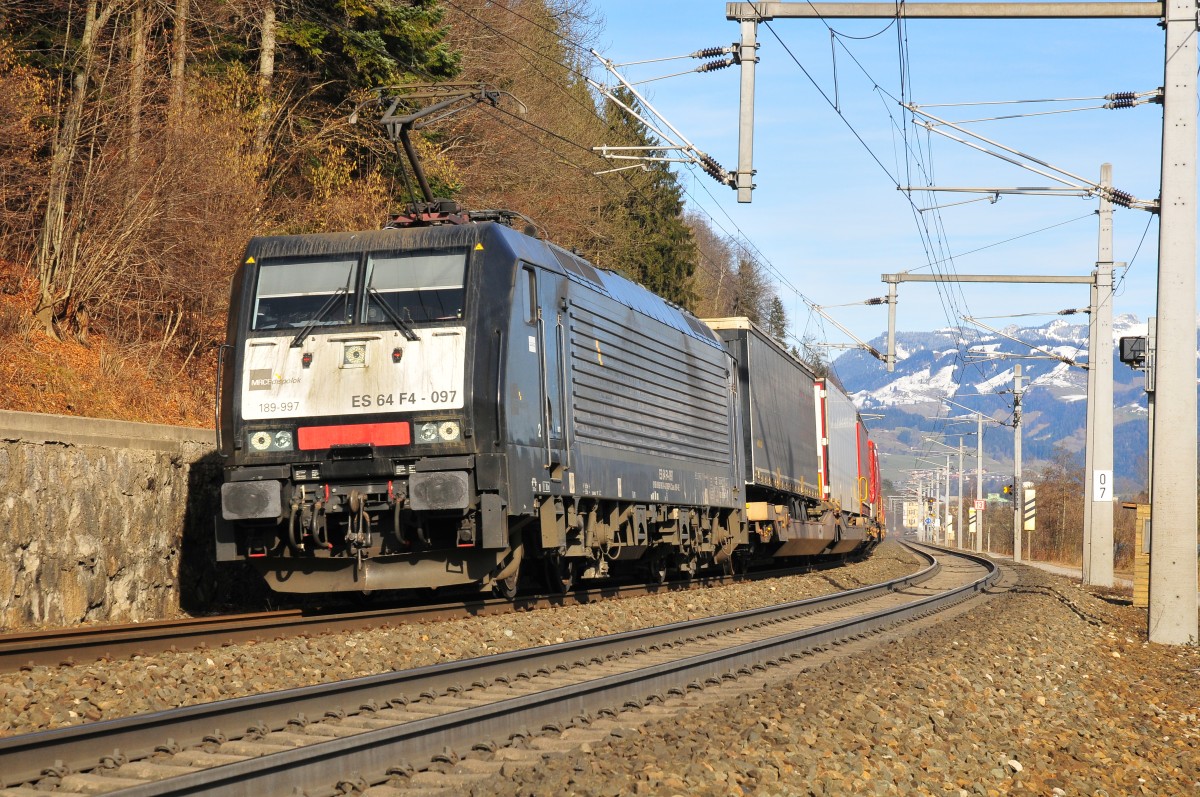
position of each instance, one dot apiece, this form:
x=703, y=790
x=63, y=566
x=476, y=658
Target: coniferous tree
x=659, y=250
x=753, y=292
x=363, y=43
x=776, y=319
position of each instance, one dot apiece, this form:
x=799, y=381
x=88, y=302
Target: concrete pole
x=937, y=503
x=748, y=53
x=1151, y=330
x=1018, y=488
x=1089, y=440
x=940, y=533
x=935, y=494
x=891, y=349
x=923, y=508
x=962, y=524
x=979, y=482
x=1101, y=528
x=946, y=522
x=1097, y=509
x=1173, y=610
x=926, y=531
x=920, y=506
x=922, y=529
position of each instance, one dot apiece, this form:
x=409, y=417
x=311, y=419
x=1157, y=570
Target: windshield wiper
x=400, y=323
x=308, y=328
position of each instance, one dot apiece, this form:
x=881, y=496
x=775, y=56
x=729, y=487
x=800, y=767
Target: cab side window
x=529, y=293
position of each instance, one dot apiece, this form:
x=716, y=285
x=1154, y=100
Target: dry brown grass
x=100, y=380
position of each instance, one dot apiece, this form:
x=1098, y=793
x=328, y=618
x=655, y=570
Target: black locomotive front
x=350, y=409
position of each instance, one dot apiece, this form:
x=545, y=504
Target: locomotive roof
x=616, y=286
x=636, y=297
x=362, y=240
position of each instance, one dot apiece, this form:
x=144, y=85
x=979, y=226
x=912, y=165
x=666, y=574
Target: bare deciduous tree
x=714, y=280
x=266, y=73
x=57, y=249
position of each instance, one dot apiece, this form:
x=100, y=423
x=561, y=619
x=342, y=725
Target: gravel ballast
x=1042, y=688
x=50, y=697
x=1045, y=689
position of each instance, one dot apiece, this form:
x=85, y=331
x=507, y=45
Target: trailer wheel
x=559, y=573
x=658, y=567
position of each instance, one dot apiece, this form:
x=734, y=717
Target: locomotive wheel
x=507, y=588
x=509, y=585
x=560, y=574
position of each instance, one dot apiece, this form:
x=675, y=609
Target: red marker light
x=306, y=359
x=397, y=353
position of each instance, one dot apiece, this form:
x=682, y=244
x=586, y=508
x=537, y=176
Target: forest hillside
x=143, y=143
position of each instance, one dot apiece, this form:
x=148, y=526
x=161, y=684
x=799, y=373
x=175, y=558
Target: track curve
x=374, y=723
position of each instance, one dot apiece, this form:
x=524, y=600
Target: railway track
x=331, y=738
x=69, y=646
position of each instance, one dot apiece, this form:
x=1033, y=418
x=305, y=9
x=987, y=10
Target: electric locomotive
x=459, y=403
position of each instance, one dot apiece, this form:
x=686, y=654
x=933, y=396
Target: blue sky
x=827, y=216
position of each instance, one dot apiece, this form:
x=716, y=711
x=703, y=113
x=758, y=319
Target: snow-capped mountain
x=974, y=368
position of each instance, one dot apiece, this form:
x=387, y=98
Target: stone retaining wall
x=104, y=521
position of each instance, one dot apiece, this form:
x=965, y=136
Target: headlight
x=354, y=355
x=438, y=431
x=271, y=440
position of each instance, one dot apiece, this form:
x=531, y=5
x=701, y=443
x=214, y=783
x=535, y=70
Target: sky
x=830, y=149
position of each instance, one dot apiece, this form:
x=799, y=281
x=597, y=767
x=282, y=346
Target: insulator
x=712, y=168
x=1120, y=99
x=713, y=66
x=1119, y=197
x=876, y=300
x=709, y=52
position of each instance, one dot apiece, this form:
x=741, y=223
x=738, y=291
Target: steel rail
x=315, y=771
x=136, y=737
x=57, y=646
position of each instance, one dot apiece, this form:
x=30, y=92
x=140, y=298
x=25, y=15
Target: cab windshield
x=309, y=293
x=415, y=287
